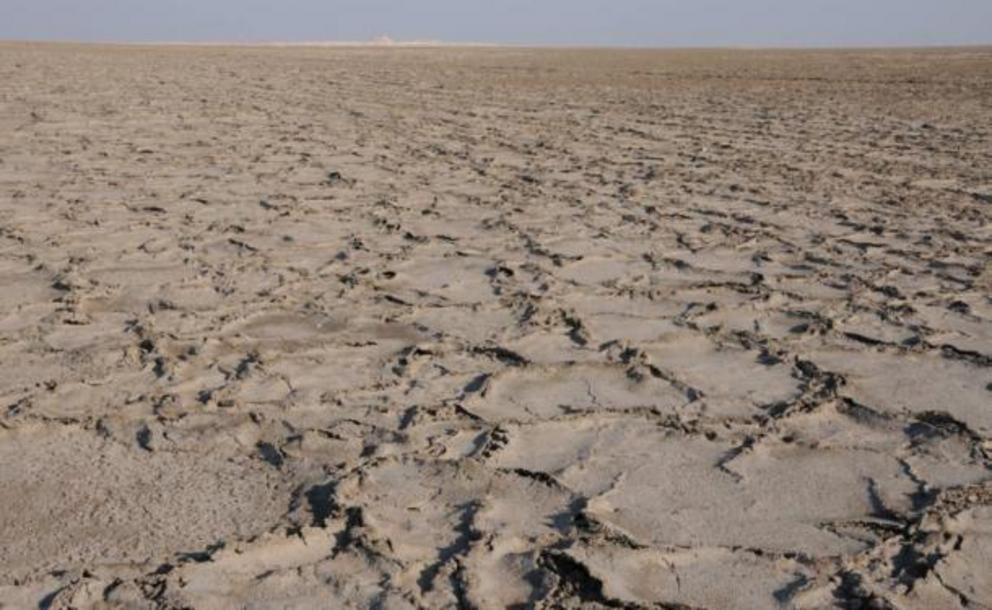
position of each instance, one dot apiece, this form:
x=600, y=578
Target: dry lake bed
x=302, y=327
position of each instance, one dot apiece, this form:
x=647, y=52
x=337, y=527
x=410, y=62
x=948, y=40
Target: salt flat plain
x=495, y=327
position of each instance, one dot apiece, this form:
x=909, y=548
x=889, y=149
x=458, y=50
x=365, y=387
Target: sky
x=654, y=23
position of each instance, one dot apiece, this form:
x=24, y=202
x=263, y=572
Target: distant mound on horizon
x=378, y=41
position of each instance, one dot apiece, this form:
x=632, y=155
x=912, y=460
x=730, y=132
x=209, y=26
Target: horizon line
x=389, y=43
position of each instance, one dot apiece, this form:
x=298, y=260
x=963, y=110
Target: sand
x=487, y=328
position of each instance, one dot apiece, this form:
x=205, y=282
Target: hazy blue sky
x=595, y=22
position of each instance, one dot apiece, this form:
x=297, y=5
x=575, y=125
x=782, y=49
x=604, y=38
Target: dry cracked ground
x=487, y=328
